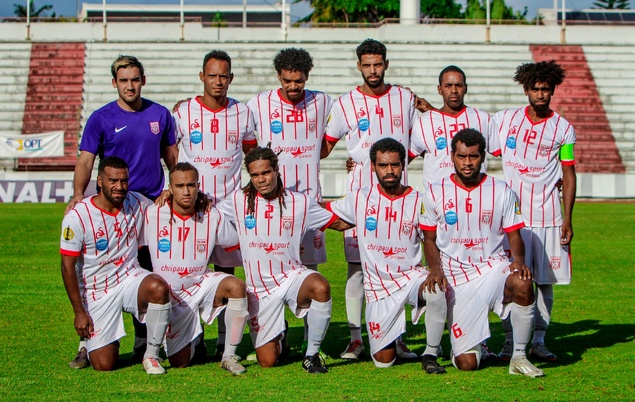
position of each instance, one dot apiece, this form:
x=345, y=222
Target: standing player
x=388, y=217
x=181, y=238
x=213, y=132
x=363, y=116
x=536, y=145
x=293, y=120
x=139, y=131
x=432, y=133
x=466, y=218
x=271, y=222
x=101, y=273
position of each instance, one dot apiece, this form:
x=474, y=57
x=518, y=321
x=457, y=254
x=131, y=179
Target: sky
x=69, y=7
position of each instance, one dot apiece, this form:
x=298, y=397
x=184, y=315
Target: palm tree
x=20, y=10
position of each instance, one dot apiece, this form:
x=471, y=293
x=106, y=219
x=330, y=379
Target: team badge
x=164, y=245
x=232, y=137
x=68, y=234
x=196, y=137
x=451, y=218
x=196, y=125
x=555, y=263
x=371, y=223
x=154, y=127
x=317, y=242
x=516, y=207
x=164, y=231
x=449, y=204
x=250, y=221
x=441, y=143
x=486, y=216
x=406, y=228
x=544, y=151
x=101, y=244
x=396, y=120
x=201, y=246
x=371, y=210
x=438, y=132
x=312, y=125
x=287, y=222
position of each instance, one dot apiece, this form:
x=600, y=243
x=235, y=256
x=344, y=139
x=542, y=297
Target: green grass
x=592, y=332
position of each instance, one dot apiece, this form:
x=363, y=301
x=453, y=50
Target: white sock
x=542, y=314
x=521, y=318
x=318, y=318
x=157, y=320
x=82, y=344
x=235, y=320
x=355, y=300
x=436, y=311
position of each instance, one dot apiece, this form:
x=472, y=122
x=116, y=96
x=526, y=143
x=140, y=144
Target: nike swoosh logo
x=119, y=129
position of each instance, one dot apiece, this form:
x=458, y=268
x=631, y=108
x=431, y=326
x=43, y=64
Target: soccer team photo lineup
x=164, y=248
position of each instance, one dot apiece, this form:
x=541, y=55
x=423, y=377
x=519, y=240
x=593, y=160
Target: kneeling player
x=271, y=222
x=181, y=238
x=101, y=272
x=387, y=217
x=466, y=218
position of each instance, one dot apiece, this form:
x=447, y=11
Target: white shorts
x=314, y=251
x=106, y=312
x=266, y=315
x=386, y=318
x=187, y=312
x=226, y=259
x=351, y=247
x=549, y=261
x=469, y=305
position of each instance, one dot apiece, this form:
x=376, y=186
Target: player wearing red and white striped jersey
x=213, y=131
x=181, y=237
x=270, y=222
x=465, y=218
x=363, y=116
x=536, y=145
x=432, y=132
x=99, y=243
x=388, y=217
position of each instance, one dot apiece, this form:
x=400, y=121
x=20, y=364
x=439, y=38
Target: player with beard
x=466, y=217
x=536, y=145
x=372, y=111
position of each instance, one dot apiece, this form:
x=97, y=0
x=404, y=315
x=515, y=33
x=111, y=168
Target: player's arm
x=83, y=322
x=170, y=155
x=568, y=199
x=517, y=248
x=340, y=225
x=433, y=261
x=327, y=147
x=81, y=178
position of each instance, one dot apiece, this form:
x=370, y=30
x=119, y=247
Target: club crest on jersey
x=250, y=221
x=287, y=222
x=317, y=242
x=312, y=125
x=449, y=205
x=164, y=231
x=371, y=223
x=371, y=210
x=555, y=263
x=511, y=142
x=544, y=151
x=486, y=216
x=201, y=246
x=154, y=127
x=196, y=125
x=164, y=245
x=101, y=244
x=232, y=137
x=196, y=137
x=451, y=218
x=441, y=143
x=396, y=120
x=438, y=132
x=406, y=228
x=516, y=207
x=68, y=234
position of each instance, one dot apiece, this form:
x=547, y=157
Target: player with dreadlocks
x=271, y=223
x=181, y=236
x=536, y=145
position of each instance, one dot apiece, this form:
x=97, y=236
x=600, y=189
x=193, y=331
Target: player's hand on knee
x=433, y=280
x=83, y=324
x=521, y=269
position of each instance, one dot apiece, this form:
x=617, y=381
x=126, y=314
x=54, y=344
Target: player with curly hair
x=536, y=145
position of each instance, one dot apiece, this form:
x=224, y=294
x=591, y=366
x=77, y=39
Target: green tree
x=612, y=4
x=352, y=10
x=19, y=10
x=440, y=9
x=499, y=10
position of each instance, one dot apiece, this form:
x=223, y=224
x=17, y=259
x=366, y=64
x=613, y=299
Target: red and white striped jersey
x=365, y=119
x=470, y=225
x=531, y=161
x=295, y=130
x=270, y=237
x=105, y=243
x=212, y=141
x=180, y=246
x=432, y=133
x=388, y=236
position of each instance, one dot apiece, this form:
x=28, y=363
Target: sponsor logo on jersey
x=164, y=245
x=276, y=126
x=423, y=208
x=363, y=124
x=441, y=143
x=101, y=244
x=232, y=137
x=287, y=222
x=451, y=217
x=511, y=142
x=68, y=234
x=270, y=248
x=317, y=242
x=371, y=223
x=154, y=127
x=516, y=207
x=196, y=137
x=119, y=129
x=474, y=243
x=396, y=120
x=120, y=260
x=201, y=246
x=217, y=162
x=389, y=253
x=184, y=272
x=486, y=216
x=555, y=263
x=250, y=221
x=312, y=125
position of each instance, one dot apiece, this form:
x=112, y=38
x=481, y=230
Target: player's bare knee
x=466, y=362
x=523, y=292
x=234, y=288
x=155, y=290
x=320, y=289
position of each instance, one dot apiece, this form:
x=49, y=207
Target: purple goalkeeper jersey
x=136, y=137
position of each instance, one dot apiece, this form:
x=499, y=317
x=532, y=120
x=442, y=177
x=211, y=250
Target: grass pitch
x=592, y=332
